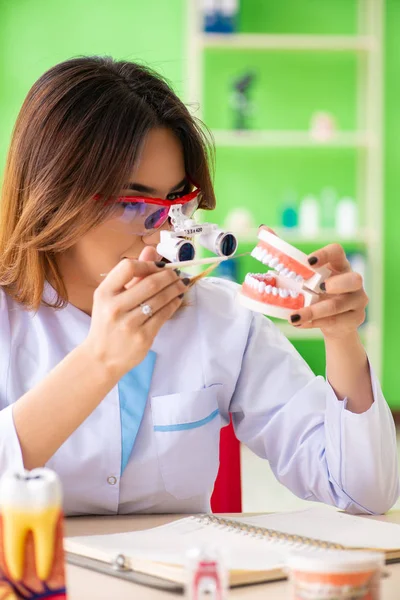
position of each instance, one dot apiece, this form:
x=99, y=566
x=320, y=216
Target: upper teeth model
x=30, y=501
x=291, y=284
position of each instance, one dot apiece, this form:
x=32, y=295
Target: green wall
x=35, y=34
x=392, y=205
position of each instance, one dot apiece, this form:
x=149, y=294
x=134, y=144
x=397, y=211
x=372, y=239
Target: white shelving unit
x=292, y=139
x=325, y=236
x=367, y=139
x=256, y=41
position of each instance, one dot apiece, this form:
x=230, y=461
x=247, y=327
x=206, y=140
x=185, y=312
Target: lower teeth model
x=290, y=285
x=30, y=502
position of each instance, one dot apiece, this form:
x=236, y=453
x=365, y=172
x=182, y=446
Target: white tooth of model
x=30, y=501
x=273, y=262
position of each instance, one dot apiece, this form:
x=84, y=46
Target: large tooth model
x=290, y=285
x=31, y=535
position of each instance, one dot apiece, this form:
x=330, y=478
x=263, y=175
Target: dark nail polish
x=312, y=260
x=295, y=318
x=177, y=271
x=160, y=264
x=181, y=296
x=323, y=286
x=186, y=281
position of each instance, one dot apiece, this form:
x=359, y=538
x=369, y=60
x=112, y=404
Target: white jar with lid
x=332, y=574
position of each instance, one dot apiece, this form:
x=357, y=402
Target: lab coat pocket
x=186, y=427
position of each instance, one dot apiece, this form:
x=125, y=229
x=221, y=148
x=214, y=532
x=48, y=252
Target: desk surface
x=88, y=585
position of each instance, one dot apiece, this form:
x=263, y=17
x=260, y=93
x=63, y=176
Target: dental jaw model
x=31, y=535
x=291, y=285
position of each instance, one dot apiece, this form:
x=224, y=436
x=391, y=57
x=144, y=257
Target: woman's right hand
x=121, y=335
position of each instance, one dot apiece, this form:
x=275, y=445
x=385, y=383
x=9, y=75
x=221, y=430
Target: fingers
x=148, y=254
x=334, y=305
x=344, y=283
x=122, y=273
x=333, y=255
x=166, y=284
x=338, y=323
x=153, y=325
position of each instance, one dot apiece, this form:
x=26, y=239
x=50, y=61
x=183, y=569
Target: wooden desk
x=88, y=585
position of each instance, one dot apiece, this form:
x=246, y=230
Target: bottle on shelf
x=328, y=208
x=346, y=222
x=240, y=220
x=289, y=217
x=309, y=216
x=220, y=16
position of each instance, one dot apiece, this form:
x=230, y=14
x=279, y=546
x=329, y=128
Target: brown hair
x=78, y=134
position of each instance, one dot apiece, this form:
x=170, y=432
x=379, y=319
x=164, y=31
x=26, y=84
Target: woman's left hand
x=342, y=309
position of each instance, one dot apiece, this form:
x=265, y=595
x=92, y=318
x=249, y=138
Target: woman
x=118, y=383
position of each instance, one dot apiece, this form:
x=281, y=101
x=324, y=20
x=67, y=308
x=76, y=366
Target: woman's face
x=159, y=173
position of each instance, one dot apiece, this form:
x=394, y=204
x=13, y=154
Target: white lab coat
x=213, y=357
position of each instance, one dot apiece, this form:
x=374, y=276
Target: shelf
x=256, y=41
x=289, y=139
x=311, y=334
x=295, y=237
x=364, y=144
x=298, y=334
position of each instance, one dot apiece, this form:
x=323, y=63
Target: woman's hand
x=121, y=334
x=342, y=309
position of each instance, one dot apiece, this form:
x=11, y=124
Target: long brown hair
x=78, y=134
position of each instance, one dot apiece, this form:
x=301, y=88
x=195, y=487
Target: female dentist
x=120, y=384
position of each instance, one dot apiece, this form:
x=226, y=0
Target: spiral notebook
x=254, y=548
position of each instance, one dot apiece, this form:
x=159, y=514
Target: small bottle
x=347, y=217
x=220, y=16
x=328, y=208
x=289, y=217
x=229, y=12
x=309, y=216
x=206, y=576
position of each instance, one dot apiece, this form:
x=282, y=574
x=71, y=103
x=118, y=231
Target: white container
x=328, y=208
x=229, y=7
x=309, y=216
x=331, y=574
x=346, y=218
